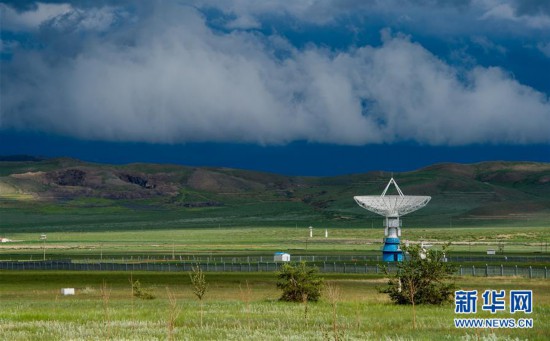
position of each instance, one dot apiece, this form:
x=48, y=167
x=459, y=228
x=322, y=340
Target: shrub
x=422, y=278
x=298, y=281
x=139, y=292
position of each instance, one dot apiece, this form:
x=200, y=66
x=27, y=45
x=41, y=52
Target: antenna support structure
x=392, y=207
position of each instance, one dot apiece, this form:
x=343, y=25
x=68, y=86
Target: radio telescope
x=392, y=207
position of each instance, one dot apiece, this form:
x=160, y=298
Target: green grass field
x=266, y=240
x=244, y=305
x=237, y=307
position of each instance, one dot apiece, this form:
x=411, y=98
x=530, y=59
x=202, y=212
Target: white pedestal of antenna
x=392, y=207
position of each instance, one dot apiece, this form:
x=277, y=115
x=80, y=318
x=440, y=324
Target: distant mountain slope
x=462, y=194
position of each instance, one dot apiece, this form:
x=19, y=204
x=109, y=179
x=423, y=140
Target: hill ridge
x=492, y=190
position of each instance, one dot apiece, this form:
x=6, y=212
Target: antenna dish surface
x=392, y=205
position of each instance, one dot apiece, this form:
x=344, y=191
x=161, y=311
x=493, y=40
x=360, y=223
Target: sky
x=310, y=87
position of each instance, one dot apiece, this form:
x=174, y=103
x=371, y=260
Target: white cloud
x=487, y=45
x=171, y=78
x=7, y=46
x=94, y=19
x=544, y=48
x=421, y=98
x=32, y=19
x=244, y=22
x=61, y=17
x=505, y=11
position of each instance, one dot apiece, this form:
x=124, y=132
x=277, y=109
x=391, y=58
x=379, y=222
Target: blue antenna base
x=391, y=251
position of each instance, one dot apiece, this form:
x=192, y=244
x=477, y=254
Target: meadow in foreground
x=236, y=307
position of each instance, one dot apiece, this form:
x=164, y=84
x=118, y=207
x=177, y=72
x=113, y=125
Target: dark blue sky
x=296, y=158
x=302, y=88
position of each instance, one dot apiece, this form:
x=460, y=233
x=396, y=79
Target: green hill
x=67, y=194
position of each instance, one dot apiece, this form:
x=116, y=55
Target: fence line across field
x=324, y=267
x=307, y=258
x=344, y=258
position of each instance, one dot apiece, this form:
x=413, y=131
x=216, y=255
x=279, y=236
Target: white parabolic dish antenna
x=392, y=205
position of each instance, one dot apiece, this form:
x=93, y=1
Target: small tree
x=198, y=280
x=333, y=295
x=105, y=296
x=422, y=278
x=173, y=313
x=298, y=281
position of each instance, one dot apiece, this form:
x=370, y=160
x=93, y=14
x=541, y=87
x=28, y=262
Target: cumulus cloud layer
x=32, y=18
x=167, y=76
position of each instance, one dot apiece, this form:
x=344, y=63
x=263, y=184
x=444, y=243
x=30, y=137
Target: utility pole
x=43, y=238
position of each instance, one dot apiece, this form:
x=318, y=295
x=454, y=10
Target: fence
x=309, y=258
x=324, y=267
x=496, y=270
x=365, y=258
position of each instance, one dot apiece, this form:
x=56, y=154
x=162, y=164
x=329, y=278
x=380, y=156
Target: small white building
x=67, y=291
x=281, y=257
x=4, y=240
x=491, y=252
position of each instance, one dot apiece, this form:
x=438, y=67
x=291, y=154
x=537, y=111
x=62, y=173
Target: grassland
x=237, y=307
x=264, y=241
x=223, y=212
x=243, y=306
